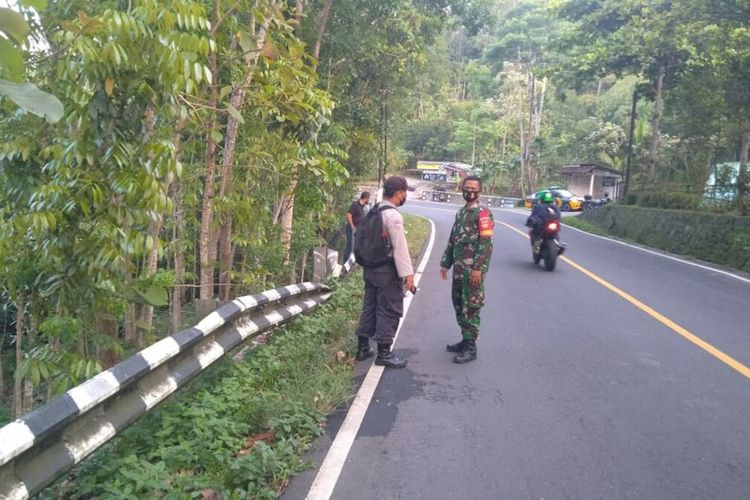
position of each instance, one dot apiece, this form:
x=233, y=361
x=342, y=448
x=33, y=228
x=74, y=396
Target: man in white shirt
x=384, y=285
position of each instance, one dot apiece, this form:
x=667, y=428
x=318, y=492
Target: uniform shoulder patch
x=486, y=224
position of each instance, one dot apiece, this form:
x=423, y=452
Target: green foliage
x=60, y=371
x=241, y=428
x=719, y=238
x=14, y=33
x=664, y=199
x=418, y=232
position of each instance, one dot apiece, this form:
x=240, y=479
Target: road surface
x=622, y=374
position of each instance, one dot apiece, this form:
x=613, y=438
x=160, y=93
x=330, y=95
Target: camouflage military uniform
x=469, y=248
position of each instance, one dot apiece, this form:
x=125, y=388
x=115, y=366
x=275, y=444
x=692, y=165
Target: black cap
x=396, y=183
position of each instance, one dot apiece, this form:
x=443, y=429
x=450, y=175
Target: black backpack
x=371, y=241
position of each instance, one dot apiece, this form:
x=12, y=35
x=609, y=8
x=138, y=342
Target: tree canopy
x=157, y=154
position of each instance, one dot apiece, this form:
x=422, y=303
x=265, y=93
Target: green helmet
x=547, y=197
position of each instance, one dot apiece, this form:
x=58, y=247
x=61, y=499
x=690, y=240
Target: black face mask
x=470, y=196
x=403, y=200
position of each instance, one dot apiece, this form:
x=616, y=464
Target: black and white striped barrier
x=42, y=445
x=456, y=198
x=348, y=266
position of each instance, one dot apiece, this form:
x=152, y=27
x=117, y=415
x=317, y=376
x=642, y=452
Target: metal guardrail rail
x=44, y=444
x=453, y=197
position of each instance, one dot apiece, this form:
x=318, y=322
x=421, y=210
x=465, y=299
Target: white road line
x=652, y=252
x=328, y=474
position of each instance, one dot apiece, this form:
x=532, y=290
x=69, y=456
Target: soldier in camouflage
x=469, y=251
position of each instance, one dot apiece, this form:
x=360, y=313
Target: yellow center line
x=683, y=332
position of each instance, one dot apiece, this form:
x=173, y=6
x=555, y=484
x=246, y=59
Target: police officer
x=469, y=251
x=383, y=304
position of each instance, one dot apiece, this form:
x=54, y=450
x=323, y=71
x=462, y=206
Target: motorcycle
x=590, y=203
x=549, y=248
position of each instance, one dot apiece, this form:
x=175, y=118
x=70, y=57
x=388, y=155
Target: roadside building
x=593, y=179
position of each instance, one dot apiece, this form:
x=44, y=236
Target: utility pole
x=629, y=157
x=385, y=138
x=474, y=144
x=381, y=168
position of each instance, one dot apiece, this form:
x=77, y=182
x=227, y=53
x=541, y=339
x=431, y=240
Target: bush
x=240, y=429
x=720, y=238
x=666, y=199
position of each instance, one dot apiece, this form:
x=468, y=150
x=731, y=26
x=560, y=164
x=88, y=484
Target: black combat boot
x=387, y=358
x=363, y=348
x=468, y=354
x=457, y=347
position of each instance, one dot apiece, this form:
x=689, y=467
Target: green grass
x=241, y=428
x=722, y=239
x=417, y=233
x=583, y=225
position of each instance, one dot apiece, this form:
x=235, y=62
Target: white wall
x=580, y=184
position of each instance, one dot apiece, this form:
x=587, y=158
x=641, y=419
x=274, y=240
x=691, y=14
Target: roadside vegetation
x=158, y=157
x=417, y=235
x=240, y=430
x=722, y=239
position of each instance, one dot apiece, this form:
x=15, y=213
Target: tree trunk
x=522, y=166
x=131, y=316
x=287, y=219
x=230, y=148
x=178, y=238
x=105, y=325
x=286, y=206
x=150, y=267
x=130, y=327
x=655, y=125
x=28, y=384
x=325, y=14
x=18, y=383
x=226, y=256
x=540, y=108
x=742, y=177
x=299, y=10
x=152, y=258
x=303, y=267
x=206, y=235
x=531, y=133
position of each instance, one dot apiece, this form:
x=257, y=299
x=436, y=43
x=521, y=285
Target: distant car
x=567, y=201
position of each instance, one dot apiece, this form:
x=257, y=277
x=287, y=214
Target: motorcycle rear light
x=553, y=226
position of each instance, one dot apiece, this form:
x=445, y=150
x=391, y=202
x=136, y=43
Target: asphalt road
x=623, y=377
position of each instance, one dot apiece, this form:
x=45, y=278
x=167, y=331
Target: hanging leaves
x=29, y=97
x=26, y=95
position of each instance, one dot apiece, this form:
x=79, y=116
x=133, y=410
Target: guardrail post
x=324, y=262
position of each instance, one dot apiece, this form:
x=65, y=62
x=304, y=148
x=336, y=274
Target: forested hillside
x=178, y=151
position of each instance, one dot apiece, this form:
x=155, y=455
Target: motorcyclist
x=544, y=211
